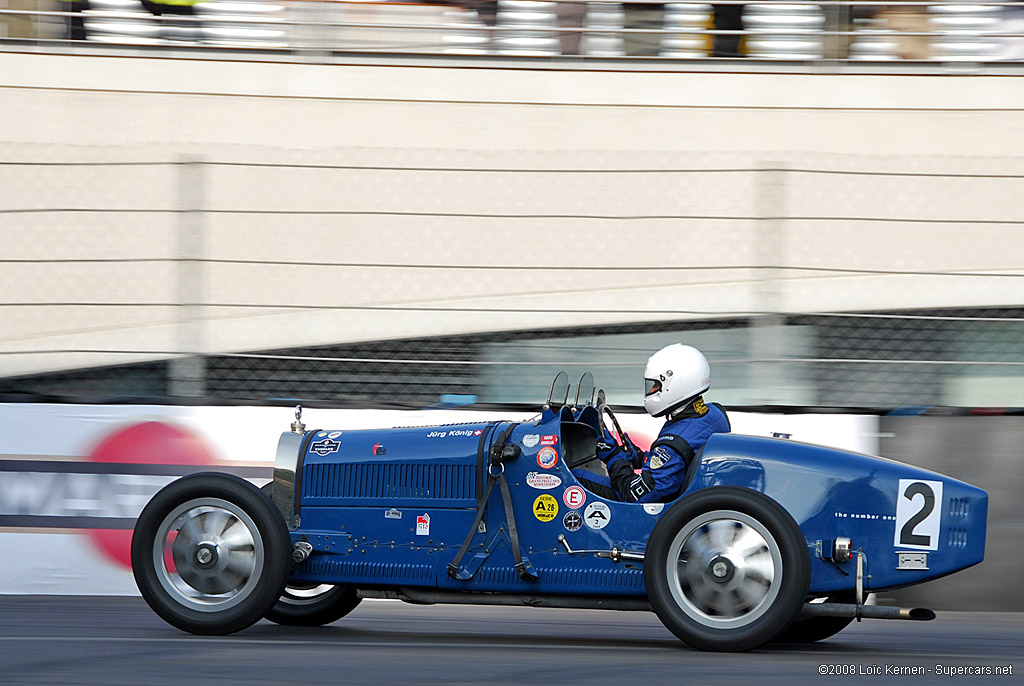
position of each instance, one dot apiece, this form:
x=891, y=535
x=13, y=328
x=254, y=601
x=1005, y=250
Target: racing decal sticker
x=574, y=497
x=543, y=481
x=659, y=458
x=918, y=514
x=597, y=515
x=654, y=508
x=334, y=434
x=572, y=521
x=549, y=440
x=379, y=449
x=392, y=514
x=545, y=508
x=325, y=447
x=531, y=440
x=547, y=458
x=423, y=525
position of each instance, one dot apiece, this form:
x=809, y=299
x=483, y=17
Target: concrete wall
x=478, y=114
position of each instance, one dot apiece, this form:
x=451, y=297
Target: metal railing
x=870, y=30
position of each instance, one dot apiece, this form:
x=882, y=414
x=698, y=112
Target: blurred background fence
x=344, y=277
x=870, y=30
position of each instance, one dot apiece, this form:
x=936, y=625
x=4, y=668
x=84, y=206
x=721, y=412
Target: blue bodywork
x=390, y=508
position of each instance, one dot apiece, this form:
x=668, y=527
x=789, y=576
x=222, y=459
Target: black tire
x=311, y=604
x=210, y=553
x=748, y=575
x=812, y=629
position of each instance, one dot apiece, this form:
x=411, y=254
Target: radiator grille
x=376, y=483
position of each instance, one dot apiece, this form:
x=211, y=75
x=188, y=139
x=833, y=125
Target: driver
x=675, y=379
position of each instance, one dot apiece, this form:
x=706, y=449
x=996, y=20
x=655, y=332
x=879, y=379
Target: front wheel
x=726, y=569
x=210, y=553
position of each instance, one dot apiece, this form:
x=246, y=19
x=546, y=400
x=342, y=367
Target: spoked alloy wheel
x=209, y=553
x=726, y=569
x=726, y=574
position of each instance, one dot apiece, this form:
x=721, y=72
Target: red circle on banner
x=145, y=443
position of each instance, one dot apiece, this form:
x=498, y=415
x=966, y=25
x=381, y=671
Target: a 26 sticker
x=543, y=481
x=574, y=497
x=597, y=515
x=918, y=514
x=545, y=508
x=547, y=458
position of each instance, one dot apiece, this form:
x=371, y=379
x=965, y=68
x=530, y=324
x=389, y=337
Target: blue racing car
x=770, y=539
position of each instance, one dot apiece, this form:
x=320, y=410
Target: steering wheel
x=620, y=437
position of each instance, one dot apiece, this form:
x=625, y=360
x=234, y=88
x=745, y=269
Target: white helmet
x=674, y=375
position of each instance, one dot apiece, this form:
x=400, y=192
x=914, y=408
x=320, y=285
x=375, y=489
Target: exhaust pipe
x=919, y=614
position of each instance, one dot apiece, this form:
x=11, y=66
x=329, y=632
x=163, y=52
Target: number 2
x=917, y=519
x=907, y=535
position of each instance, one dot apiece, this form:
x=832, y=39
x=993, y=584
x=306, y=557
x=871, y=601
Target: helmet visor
x=651, y=386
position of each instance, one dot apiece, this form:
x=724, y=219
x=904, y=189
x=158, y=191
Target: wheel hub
x=721, y=570
x=206, y=555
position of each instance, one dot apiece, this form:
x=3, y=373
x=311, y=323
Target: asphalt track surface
x=107, y=641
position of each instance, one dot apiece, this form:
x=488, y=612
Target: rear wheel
x=811, y=629
x=726, y=569
x=210, y=553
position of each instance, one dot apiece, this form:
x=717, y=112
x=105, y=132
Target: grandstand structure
x=357, y=202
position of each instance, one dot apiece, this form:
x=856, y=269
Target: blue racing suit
x=664, y=466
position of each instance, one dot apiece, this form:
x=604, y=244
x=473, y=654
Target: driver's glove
x=607, y=450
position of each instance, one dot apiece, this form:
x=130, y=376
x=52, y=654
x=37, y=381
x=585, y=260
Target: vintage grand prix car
x=491, y=513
